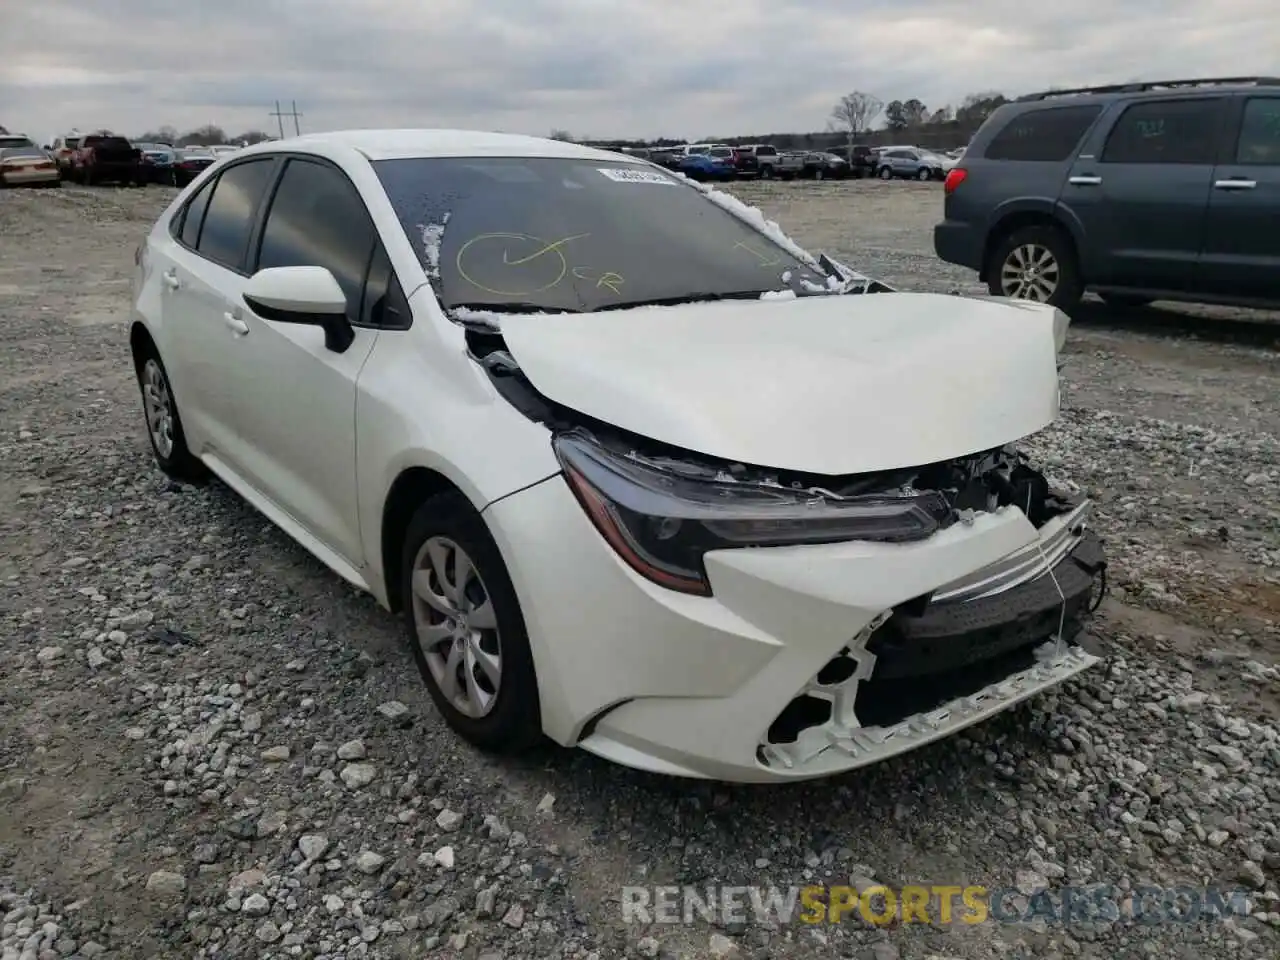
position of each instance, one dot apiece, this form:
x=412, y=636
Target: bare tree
x=561, y=135
x=854, y=112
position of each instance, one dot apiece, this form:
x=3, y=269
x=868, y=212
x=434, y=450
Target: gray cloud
x=627, y=67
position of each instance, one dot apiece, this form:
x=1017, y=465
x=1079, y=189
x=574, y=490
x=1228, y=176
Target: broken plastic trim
x=662, y=523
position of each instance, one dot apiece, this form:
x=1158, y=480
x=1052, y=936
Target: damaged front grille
x=931, y=663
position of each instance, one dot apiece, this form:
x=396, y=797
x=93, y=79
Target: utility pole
x=281, y=114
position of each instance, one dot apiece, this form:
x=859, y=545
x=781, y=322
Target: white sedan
x=639, y=473
x=22, y=163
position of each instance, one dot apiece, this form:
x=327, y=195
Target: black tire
x=514, y=724
x=885, y=173
x=819, y=175
x=923, y=174
x=1130, y=301
x=1069, y=286
x=179, y=463
x=766, y=173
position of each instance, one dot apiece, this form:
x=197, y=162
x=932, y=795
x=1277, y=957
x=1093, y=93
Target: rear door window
x=1259, y=141
x=1046, y=135
x=1166, y=131
x=229, y=217
x=193, y=216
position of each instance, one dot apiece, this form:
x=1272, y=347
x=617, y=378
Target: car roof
x=405, y=144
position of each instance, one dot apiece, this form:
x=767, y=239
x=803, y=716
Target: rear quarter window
x=1044, y=134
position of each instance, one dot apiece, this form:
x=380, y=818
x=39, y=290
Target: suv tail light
x=954, y=179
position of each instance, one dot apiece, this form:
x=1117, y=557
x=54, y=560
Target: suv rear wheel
x=1036, y=263
x=886, y=173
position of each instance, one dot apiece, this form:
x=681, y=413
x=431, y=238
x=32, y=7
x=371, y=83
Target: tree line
x=854, y=118
x=208, y=135
x=854, y=113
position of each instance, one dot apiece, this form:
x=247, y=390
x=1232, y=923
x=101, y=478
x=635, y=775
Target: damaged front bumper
x=935, y=664
x=885, y=646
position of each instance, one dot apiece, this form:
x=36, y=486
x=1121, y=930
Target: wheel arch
x=412, y=487
x=141, y=342
x=1019, y=215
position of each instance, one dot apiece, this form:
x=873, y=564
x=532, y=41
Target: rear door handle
x=1086, y=181
x=171, y=280
x=238, y=326
x=1234, y=184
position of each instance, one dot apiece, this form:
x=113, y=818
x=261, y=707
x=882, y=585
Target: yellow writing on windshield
x=529, y=265
x=607, y=280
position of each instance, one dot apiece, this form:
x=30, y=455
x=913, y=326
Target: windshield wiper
x=526, y=307
x=686, y=298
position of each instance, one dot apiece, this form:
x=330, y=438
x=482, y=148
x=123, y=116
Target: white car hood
x=827, y=385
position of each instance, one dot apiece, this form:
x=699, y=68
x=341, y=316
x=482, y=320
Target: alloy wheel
x=456, y=626
x=1030, y=272
x=157, y=402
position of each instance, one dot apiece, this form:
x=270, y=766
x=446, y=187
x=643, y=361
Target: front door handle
x=1086, y=181
x=1234, y=184
x=171, y=280
x=238, y=326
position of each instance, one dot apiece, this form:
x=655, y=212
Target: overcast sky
x=600, y=68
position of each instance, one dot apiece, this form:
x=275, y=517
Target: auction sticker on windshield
x=623, y=175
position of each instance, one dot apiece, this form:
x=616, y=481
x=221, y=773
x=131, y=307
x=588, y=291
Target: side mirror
x=308, y=295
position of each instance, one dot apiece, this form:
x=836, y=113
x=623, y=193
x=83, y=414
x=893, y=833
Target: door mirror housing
x=307, y=295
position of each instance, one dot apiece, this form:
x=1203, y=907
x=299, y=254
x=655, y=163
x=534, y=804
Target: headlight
x=662, y=523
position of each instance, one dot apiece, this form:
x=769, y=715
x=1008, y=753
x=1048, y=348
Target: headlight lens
x=662, y=523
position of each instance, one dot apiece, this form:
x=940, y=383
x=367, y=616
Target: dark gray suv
x=1140, y=192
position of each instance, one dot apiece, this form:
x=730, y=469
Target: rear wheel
x=924, y=174
x=886, y=173
x=164, y=426
x=818, y=174
x=1036, y=263
x=465, y=627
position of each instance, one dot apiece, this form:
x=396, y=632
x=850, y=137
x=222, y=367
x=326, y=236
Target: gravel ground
x=211, y=747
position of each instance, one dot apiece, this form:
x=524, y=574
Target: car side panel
x=419, y=395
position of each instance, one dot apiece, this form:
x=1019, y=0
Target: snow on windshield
x=432, y=238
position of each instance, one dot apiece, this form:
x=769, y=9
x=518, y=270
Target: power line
x=292, y=112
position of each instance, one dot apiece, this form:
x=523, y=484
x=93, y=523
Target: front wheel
x=465, y=627
x=1036, y=263
x=819, y=175
x=164, y=426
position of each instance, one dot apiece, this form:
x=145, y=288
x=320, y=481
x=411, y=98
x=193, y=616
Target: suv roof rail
x=1156, y=85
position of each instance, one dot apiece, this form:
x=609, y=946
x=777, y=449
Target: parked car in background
x=951, y=158
x=757, y=160
x=158, y=161
x=908, y=163
x=189, y=163
x=862, y=160
x=62, y=150
x=841, y=557
x=22, y=163
x=821, y=165
x=1138, y=192
x=668, y=157
x=789, y=164
x=713, y=163
x=104, y=157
